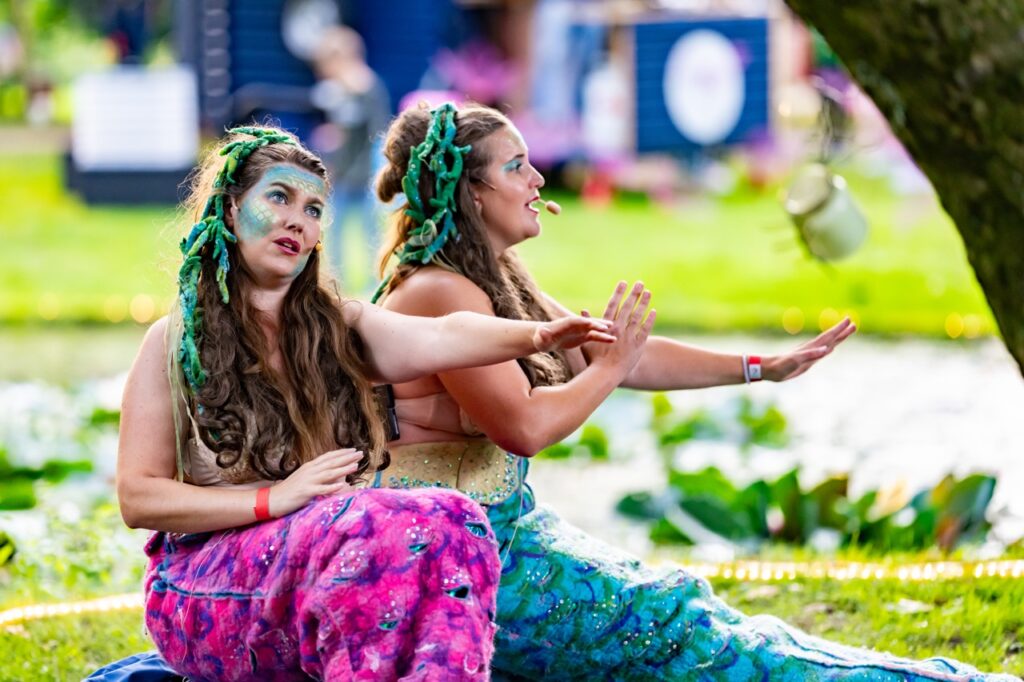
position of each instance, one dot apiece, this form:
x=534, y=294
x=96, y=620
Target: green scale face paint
x=257, y=215
x=256, y=212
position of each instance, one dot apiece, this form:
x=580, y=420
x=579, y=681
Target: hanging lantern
x=826, y=216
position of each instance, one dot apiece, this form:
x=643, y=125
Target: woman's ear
x=232, y=215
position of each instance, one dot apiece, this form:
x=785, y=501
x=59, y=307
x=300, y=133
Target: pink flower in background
x=478, y=70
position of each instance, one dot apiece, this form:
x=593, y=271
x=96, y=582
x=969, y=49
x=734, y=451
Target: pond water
x=893, y=412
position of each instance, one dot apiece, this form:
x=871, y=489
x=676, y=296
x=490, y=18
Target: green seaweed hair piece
x=435, y=222
x=209, y=238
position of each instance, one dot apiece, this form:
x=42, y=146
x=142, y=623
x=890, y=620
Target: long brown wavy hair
x=502, y=277
x=262, y=422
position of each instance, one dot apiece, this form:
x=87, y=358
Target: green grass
x=69, y=647
x=735, y=263
x=713, y=264
x=977, y=621
x=65, y=260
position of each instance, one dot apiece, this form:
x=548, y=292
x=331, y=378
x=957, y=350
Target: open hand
x=570, y=332
x=629, y=325
x=801, y=359
x=321, y=476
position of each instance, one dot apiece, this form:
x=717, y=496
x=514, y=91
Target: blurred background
x=715, y=149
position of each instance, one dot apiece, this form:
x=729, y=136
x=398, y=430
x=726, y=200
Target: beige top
x=200, y=467
x=433, y=418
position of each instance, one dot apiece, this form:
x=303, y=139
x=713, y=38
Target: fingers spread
x=627, y=307
x=613, y=303
x=637, y=316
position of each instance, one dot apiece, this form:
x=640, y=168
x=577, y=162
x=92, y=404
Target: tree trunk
x=949, y=77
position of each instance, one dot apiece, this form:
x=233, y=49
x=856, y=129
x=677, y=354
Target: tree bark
x=949, y=77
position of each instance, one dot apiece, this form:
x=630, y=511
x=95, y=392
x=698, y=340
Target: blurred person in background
x=356, y=105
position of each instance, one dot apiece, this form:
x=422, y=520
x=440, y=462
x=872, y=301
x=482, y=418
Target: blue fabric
x=571, y=608
x=145, y=667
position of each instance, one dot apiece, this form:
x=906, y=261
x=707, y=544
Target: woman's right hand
x=321, y=476
x=628, y=325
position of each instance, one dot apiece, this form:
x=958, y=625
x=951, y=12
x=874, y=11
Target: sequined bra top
x=440, y=447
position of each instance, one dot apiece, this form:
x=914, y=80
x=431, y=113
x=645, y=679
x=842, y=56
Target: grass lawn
x=713, y=264
x=980, y=621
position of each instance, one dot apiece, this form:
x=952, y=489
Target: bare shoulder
x=154, y=344
x=148, y=375
x=434, y=292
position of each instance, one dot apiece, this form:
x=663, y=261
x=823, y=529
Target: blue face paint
x=256, y=215
x=259, y=210
x=513, y=165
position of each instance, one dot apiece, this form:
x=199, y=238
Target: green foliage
x=102, y=416
x=765, y=426
x=74, y=557
x=703, y=506
x=17, y=483
x=743, y=421
x=6, y=548
x=592, y=443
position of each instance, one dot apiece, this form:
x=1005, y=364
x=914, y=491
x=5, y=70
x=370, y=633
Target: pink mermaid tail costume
x=365, y=585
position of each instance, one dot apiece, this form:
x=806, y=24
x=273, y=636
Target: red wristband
x=262, y=508
x=754, y=367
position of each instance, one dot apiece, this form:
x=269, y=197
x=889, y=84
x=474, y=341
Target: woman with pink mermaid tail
x=246, y=418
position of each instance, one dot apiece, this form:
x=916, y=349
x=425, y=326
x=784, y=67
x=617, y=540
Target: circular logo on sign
x=703, y=86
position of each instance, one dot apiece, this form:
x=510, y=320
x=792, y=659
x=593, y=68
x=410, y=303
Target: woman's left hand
x=798, y=361
x=570, y=332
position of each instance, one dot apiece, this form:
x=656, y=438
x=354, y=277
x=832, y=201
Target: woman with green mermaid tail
x=569, y=606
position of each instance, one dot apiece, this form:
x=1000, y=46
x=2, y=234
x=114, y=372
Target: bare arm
x=669, y=365
x=147, y=492
x=403, y=347
x=499, y=398
x=666, y=364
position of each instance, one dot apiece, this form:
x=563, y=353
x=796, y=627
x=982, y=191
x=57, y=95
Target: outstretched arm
x=669, y=365
x=404, y=347
x=498, y=398
x=666, y=364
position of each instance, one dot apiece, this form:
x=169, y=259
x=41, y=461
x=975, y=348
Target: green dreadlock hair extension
x=426, y=239
x=211, y=236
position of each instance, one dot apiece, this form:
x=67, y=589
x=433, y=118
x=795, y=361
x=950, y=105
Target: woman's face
x=511, y=186
x=277, y=222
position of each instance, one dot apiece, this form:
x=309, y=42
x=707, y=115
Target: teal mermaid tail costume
x=573, y=608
